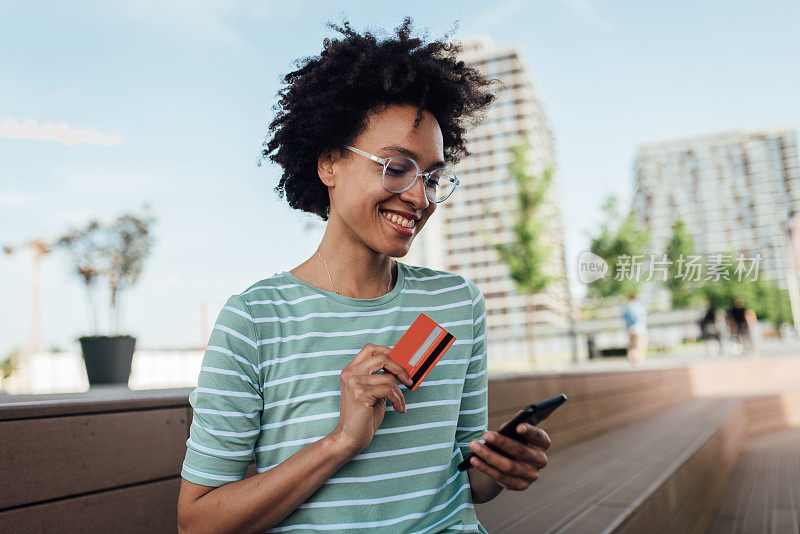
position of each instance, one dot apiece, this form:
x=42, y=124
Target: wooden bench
x=112, y=456
x=103, y=461
x=597, y=401
x=665, y=472
x=639, y=477
x=109, y=460
x=764, y=491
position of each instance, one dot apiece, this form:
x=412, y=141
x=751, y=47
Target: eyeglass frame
x=385, y=161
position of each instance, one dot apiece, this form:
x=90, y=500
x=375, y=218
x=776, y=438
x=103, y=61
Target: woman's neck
x=356, y=280
x=353, y=271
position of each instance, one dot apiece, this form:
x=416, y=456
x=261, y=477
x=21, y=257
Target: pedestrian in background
x=754, y=329
x=635, y=317
x=739, y=321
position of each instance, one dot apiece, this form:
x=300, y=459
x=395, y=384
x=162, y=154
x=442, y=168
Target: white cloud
x=59, y=132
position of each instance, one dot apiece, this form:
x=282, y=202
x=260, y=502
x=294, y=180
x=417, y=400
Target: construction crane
x=39, y=248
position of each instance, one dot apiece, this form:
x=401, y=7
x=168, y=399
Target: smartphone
x=533, y=414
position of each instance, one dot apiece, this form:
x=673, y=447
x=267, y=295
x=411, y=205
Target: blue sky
x=169, y=102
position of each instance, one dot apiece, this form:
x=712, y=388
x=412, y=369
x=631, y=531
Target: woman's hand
x=526, y=459
x=362, y=403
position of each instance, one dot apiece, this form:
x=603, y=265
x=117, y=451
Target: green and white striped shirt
x=269, y=386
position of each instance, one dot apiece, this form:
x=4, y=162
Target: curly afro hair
x=327, y=102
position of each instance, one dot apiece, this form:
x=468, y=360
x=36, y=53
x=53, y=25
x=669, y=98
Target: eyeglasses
x=400, y=173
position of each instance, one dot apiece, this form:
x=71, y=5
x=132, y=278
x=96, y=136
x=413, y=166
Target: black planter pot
x=108, y=358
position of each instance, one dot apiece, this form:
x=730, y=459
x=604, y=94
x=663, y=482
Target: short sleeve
x=227, y=401
x=473, y=413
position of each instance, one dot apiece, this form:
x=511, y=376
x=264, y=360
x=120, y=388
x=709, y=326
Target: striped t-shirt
x=269, y=386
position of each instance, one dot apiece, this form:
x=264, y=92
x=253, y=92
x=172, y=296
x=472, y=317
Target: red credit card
x=418, y=350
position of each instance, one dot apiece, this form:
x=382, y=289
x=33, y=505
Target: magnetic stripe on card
x=425, y=346
x=432, y=358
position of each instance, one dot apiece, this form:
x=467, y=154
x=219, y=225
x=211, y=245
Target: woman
x=296, y=369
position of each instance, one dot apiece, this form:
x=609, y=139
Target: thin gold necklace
x=388, y=287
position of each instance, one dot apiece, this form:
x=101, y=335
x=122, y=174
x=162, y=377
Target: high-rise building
x=487, y=199
x=734, y=190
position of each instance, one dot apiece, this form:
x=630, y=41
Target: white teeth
x=399, y=220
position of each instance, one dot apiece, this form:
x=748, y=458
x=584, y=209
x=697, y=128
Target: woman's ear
x=326, y=167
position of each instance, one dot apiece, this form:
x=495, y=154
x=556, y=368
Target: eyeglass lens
x=400, y=172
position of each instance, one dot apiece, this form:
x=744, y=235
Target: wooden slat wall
x=110, y=459
x=773, y=412
x=150, y=507
x=745, y=376
x=763, y=492
x=597, y=402
x=87, y=465
x=686, y=500
x=595, y=485
x=56, y=457
x=107, y=460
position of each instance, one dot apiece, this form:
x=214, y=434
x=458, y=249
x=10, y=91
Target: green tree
x=774, y=304
x=620, y=242
x=682, y=288
x=722, y=285
x=527, y=254
x=10, y=363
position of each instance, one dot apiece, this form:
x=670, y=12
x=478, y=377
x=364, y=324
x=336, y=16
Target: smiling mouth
x=397, y=224
x=397, y=219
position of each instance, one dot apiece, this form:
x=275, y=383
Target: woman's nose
x=416, y=194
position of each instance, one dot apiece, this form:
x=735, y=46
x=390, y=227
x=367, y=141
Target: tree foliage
x=527, y=254
x=683, y=289
x=764, y=297
x=620, y=237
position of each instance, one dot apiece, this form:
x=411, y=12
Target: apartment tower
x=736, y=192
x=487, y=199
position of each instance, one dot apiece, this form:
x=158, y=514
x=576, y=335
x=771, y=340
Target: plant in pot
x=117, y=252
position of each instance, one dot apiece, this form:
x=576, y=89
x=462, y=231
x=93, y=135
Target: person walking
x=754, y=328
x=635, y=317
x=739, y=321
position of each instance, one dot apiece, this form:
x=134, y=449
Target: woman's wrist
x=337, y=446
